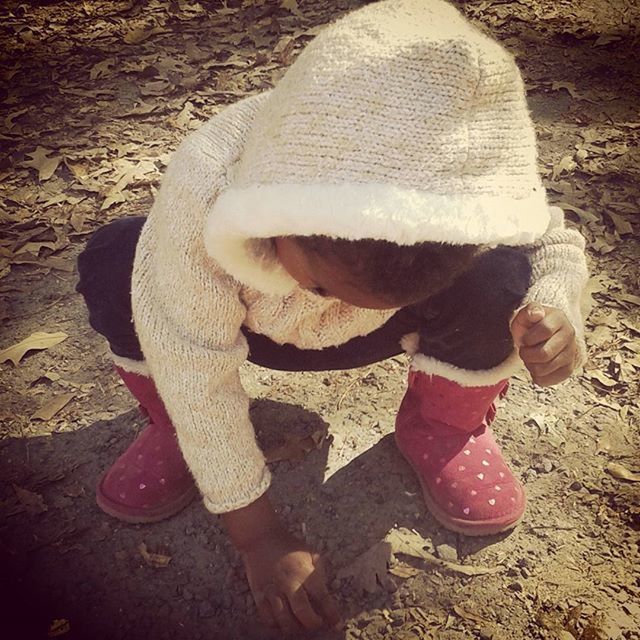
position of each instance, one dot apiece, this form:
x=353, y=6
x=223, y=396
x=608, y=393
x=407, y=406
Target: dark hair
x=399, y=274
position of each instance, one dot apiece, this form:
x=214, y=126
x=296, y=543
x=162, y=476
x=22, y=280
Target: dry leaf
x=102, y=68
x=412, y=544
x=295, y=447
x=605, y=38
x=404, y=571
x=569, y=86
x=41, y=161
x=140, y=34
x=33, y=503
x=583, y=215
x=369, y=570
x=566, y=165
x=155, y=560
x=603, y=379
x=292, y=5
x=622, y=473
x=35, y=341
x=468, y=615
x=9, y=120
x=622, y=225
x=52, y=407
x=58, y=627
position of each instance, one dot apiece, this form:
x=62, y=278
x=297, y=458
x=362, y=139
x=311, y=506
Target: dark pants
x=466, y=325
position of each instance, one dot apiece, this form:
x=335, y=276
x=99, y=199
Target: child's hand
x=547, y=343
x=288, y=584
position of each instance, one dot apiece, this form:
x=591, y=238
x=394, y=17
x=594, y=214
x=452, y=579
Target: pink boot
x=442, y=429
x=150, y=481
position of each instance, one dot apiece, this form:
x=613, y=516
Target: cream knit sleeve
x=187, y=314
x=559, y=273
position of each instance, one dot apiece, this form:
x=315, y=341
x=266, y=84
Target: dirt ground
x=95, y=96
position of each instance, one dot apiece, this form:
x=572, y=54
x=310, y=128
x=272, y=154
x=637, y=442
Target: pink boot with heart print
x=442, y=429
x=150, y=481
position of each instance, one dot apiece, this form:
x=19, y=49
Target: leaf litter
x=72, y=163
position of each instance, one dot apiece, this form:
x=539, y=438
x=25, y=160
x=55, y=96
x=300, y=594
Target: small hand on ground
x=547, y=343
x=288, y=583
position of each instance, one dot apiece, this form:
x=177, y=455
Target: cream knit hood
x=399, y=121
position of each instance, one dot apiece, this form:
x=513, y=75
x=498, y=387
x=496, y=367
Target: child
x=384, y=191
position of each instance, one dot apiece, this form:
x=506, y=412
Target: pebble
x=447, y=552
x=516, y=586
x=576, y=485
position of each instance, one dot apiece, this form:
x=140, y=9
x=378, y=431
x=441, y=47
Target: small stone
x=576, y=485
x=516, y=586
x=447, y=552
x=547, y=465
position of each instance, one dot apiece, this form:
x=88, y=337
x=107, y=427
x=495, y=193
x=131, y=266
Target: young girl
x=382, y=197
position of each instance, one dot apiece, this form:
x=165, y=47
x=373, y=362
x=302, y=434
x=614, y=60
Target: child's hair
x=398, y=274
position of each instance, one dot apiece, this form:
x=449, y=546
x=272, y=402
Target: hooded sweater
x=204, y=267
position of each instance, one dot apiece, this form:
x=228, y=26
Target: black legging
x=466, y=325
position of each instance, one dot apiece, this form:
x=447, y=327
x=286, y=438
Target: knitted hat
x=400, y=121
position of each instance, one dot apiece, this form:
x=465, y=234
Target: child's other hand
x=547, y=343
x=288, y=583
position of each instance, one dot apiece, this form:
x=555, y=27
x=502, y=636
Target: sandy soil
x=96, y=96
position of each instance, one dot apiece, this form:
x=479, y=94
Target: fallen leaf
x=412, y=544
x=622, y=225
x=295, y=447
x=583, y=215
x=404, y=571
x=36, y=341
x=58, y=627
x=565, y=165
x=292, y=5
x=140, y=34
x=469, y=615
x=33, y=503
x=52, y=407
x=102, y=68
x=569, y=86
x=369, y=570
x=41, y=161
x=155, y=560
x=606, y=38
x=9, y=120
x=603, y=379
x=621, y=472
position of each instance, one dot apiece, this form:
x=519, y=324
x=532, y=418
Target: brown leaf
x=292, y=5
x=102, y=68
x=584, y=216
x=41, y=161
x=469, y=615
x=622, y=225
x=412, y=544
x=295, y=447
x=33, y=503
x=155, y=560
x=140, y=34
x=369, y=570
x=58, y=628
x=52, y=407
x=404, y=571
x=621, y=472
x=38, y=340
x=602, y=378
